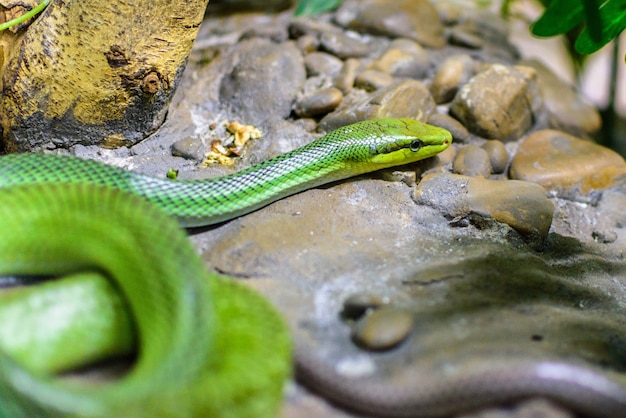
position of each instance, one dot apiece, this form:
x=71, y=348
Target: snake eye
x=416, y=144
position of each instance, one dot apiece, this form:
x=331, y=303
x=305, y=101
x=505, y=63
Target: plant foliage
x=601, y=21
x=315, y=7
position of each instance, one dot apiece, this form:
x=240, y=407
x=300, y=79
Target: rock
x=566, y=165
x=472, y=161
x=521, y=205
x=498, y=103
x=343, y=46
x=498, y=156
x=345, y=79
x=460, y=36
x=568, y=111
x=308, y=44
x=371, y=80
x=383, y=329
x=407, y=99
x=254, y=88
x=411, y=61
x=458, y=131
x=319, y=103
x=414, y=19
x=191, y=148
x=321, y=63
x=358, y=304
x=451, y=74
x=272, y=32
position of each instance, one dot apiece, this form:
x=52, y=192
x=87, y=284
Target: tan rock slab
x=563, y=163
x=521, y=205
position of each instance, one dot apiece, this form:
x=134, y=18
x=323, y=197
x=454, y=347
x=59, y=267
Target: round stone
x=319, y=103
x=472, y=161
x=498, y=156
x=414, y=19
x=371, y=80
x=401, y=63
x=565, y=164
x=345, y=79
x=500, y=102
x=383, y=329
x=451, y=74
x=317, y=63
x=522, y=205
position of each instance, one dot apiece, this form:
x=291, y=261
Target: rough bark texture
x=95, y=72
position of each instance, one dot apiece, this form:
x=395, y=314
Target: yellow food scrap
x=224, y=151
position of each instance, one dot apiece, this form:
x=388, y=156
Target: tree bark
x=94, y=71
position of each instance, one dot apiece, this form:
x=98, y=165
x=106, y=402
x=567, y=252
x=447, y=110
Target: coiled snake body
x=205, y=346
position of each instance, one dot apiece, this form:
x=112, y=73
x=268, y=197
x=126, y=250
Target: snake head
x=403, y=141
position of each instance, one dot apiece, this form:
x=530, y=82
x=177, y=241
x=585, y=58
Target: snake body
x=205, y=345
x=345, y=152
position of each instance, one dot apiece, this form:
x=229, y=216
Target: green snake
x=203, y=345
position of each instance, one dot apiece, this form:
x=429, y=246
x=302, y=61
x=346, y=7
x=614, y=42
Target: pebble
x=499, y=103
x=460, y=37
x=308, y=44
x=321, y=63
x=451, y=74
x=343, y=46
x=414, y=19
x=358, y=304
x=191, y=148
x=565, y=164
x=345, y=79
x=319, y=103
x=458, y=131
x=371, y=80
x=522, y=205
x=498, y=155
x=402, y=63
x=383, y=329
x=472, y=161
x=568, y=111
x=407, y=99
x=270, y=93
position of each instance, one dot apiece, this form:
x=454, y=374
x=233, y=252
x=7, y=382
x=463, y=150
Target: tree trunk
x=94, y=71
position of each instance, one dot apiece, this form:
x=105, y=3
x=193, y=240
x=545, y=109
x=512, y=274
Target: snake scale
x=207, y=346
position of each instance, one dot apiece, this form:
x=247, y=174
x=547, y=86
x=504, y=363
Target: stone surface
x=372, y=80
x=499, y=103
x=343, y=46
x=407, y=99
x=407, y=59
x=414, y=19
x=255, y=88
x=472, y=161
x=345, y=79
x=566, y=165
x=319, y=103
x=568, y=111
x=451, y=74
x=521, y=205
x=317, y=63
x=498, y=155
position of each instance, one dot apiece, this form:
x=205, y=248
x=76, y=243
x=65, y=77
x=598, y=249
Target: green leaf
x=315, y=7
x=560, y=17
x=612, y=23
